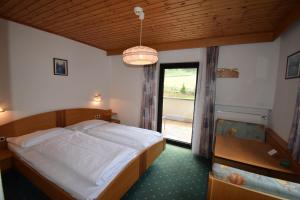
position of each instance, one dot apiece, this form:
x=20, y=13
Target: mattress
x=133, y=137
x=273, y=186
x=62, y=176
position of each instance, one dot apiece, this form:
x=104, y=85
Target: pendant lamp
x=140, y=55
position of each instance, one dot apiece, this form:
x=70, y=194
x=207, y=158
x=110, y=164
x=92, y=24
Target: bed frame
x=115, y=190
x=219, y=190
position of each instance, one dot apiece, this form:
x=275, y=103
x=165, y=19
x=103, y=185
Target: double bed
x=87, y=159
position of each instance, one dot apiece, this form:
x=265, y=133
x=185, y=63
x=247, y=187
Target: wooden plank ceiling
x=111, y=25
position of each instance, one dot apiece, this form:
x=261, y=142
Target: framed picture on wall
x=293, y=66
x=60, y=67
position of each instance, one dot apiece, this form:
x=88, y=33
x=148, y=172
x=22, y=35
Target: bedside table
x=115, y=121
x=5, y=159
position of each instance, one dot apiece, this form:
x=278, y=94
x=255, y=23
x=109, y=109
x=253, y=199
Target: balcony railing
x=177, y=118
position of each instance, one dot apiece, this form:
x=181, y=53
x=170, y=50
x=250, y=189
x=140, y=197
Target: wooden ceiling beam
x=206, y=42
x=292, y=17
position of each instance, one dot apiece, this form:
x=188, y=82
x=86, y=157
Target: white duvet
x=91, y=158
x=133, y=137
x=68, y=180
x=80, y=164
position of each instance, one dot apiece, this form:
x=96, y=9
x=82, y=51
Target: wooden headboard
x=29, y=124
x=60, y=118
x=73, y=116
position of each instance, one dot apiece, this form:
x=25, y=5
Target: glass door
x=177, y=89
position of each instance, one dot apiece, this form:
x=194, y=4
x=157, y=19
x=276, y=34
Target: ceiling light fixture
x=140, y=55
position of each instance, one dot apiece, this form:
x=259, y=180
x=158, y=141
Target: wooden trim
x=219, y=190
x=291, y=18
x=206, y=42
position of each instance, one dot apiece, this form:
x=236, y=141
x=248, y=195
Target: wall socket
x=97, y=116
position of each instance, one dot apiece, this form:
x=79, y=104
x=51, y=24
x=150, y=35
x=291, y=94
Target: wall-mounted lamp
x=2, y=109
x=97, y=98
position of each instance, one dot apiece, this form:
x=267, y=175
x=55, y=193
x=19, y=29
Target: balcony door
x=176, y=101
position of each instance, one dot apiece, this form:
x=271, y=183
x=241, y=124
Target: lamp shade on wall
x=97, y=98
x=140, y=55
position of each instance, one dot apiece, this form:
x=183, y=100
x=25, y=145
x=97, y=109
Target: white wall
x=5, y=89
x=257, y=65
x=126, y=91
x=127, y=82
x=34, y=88
x=286, y=90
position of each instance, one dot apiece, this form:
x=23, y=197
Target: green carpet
x=176, y=174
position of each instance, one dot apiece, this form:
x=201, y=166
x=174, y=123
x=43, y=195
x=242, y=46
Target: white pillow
x=36, y=137
x=81, y=126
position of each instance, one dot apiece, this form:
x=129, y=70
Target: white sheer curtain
x=198, y=110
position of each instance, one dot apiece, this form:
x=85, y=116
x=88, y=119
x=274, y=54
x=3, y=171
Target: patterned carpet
x=176, y=174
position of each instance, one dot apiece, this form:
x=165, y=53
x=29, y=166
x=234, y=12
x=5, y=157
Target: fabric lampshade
x=140, y=55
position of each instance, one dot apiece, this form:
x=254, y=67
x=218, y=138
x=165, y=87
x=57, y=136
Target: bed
x=66, y=157
x=113, y=189
x=149, y=143
x=242, y=166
